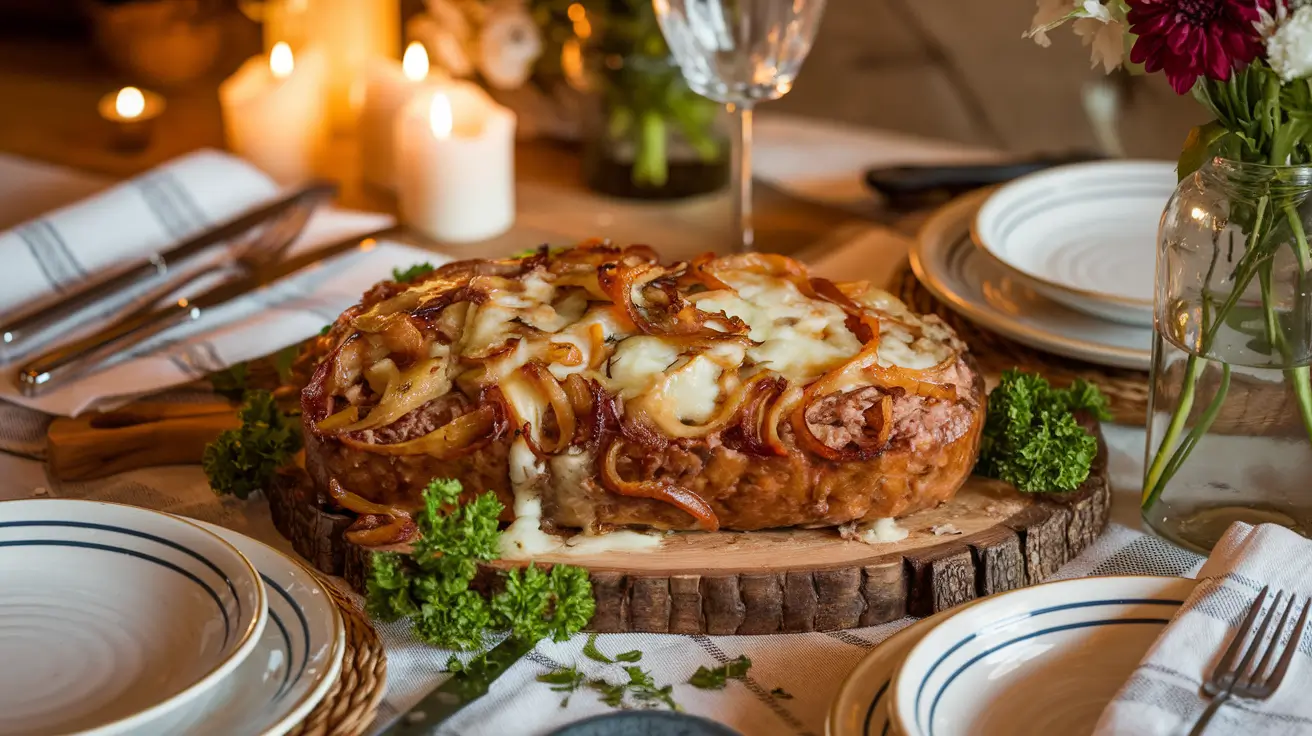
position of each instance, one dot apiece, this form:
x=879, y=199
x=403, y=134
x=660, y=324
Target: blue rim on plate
x=925, y=679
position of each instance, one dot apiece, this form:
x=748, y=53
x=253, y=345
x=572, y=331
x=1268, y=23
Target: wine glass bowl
x=739, y=52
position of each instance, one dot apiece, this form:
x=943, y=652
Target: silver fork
x=1230, y=680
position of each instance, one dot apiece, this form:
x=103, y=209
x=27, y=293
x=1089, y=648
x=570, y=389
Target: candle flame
x=281, y=62
x=129, y=103
x=415, y=62
x=440, y=116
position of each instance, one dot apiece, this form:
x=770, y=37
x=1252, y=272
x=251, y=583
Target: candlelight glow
x=130, y=102
x=415, y=62
x=440, y=117
x=579, y=17
x=281, y=62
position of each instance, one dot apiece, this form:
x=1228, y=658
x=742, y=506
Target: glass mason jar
x=1231, y=406
x=647, y=135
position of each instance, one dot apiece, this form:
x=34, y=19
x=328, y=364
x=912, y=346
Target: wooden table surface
x=48, y=112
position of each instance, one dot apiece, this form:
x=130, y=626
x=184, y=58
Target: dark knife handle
x=911, y=186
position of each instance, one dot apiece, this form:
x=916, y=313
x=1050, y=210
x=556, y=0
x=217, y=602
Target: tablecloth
x=793, y=677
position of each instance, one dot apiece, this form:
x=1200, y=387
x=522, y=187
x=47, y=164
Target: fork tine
x=1295, y=639
x=1226, y=665
x=1258, y=636
x=1277, y=637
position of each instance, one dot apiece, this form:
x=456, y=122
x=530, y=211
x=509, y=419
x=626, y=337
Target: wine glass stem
x=742, y=172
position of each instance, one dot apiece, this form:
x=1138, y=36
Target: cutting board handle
x=142, y=435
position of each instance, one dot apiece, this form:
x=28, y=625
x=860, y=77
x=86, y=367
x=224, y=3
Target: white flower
x=1097, y=11
x=1289, y=49
x=508, y=45
x=1106, y=39
x=1266, y=24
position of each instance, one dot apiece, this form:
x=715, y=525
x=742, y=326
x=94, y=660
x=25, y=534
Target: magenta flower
x=1189, y=39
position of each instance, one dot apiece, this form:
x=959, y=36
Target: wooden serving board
x=795, y=580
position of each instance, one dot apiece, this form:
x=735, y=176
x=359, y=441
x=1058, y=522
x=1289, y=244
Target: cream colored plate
x=972, y=285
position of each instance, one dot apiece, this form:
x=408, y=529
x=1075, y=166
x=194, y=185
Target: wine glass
x=739, y=52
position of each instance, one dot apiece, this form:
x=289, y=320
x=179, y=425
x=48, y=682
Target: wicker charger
x=1126, y=390
x=352, y=702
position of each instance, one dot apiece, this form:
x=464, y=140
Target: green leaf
x=1199, y=146
x=230, y=383
x=243, y=461
x=410, y=274
x=630, y=656
x=591, y=651
x=716, y=678
x=283, y=360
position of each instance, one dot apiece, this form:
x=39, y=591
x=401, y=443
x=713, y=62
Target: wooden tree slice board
x=795, y=580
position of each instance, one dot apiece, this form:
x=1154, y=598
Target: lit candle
x=455, y=164
x=131, y=111
x=273, y=112
x=351, y=34
x=388, y=87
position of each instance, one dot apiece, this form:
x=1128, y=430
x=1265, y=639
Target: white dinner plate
x=1040, y=660
x=114, y=618
x=1084, y=234
x=861, y=708
x=295, y=663
x=972, y=285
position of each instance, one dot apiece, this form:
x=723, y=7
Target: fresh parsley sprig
x=1031, y=438
x=431, y=585
x=405, y=276
x=716, y=678
x=244, y=460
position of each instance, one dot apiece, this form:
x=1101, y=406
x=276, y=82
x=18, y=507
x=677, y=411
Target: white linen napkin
x=1164, y=695
x=132, y=220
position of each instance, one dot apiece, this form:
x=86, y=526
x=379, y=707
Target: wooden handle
x=141, y=435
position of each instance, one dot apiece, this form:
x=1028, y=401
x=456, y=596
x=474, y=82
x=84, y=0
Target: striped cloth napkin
x=139, y=217
x=1164, y=695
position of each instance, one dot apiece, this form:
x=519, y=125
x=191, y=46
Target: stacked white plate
x=1040, y=660
x=1061, y=260
x=120, y=620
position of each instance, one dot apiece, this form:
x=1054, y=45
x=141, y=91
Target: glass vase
x=1230, y=402
x=647, y=135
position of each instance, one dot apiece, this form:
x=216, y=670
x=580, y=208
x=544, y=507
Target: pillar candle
x=273, y=112
x=388, y=87
x=351, y=34
x=455, y=164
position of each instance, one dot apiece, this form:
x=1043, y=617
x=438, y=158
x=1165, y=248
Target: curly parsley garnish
x=416, y=271
x=639, y=689
x=715, y=678
x=1031, y=438
x=431, y=585
x=243, y=460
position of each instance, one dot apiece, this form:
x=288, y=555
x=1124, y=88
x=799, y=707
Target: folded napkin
x=132, y=220
x=1164, y=695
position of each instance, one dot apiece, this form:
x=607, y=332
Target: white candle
x=273, y=112
x=388, y=87
x=455, y=164
x=351, y=33
x=131, y=110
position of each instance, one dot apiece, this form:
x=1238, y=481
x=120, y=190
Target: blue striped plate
x=114, y=618
x=1039, y=660
x=293, y=666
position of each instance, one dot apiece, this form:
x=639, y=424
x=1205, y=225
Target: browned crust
x=747, y=492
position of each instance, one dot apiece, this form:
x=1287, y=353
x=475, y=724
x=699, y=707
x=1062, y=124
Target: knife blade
x=104, y=349
x=913, y=187
x=459, y=690
x=113, y=296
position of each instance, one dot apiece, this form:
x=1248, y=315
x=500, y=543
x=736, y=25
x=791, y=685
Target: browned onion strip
x=580, y=400
x=564, y=353
x=784, y=404
x=677, y=317
x=463, y=434
x=761, y=390
x=416, y=386
x=767, y=264
x=371, y=530
x=343, y=418
x=698, y=271
x=654, y=407
x=680, y=498
x=551, y=390
x=826, y=384
x=597, y=339
x=352, y=502
x=317, y=397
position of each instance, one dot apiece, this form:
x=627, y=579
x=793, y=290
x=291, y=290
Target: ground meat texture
x=937, y=443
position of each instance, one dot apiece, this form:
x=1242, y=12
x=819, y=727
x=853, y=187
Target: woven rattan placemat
x=350, y=706
x=1127, y=390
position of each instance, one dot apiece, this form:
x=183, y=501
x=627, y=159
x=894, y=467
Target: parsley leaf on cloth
x=715, y=678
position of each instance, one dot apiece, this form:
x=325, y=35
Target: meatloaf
x=597, y=388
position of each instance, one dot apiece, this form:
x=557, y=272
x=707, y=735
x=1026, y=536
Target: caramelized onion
x=749, y=433
x=317, y=396
x=654, y=407
x=564, y=353
x=767, y=264
x=551, y=390
x=461, y=435
x=680, y=498
x=336, y=422
x=372, y=530
x=416, y=386
x=675, y=317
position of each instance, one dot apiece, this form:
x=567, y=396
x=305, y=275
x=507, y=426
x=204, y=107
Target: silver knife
x=100, y=302
x=108, y=347
x=459, y=690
